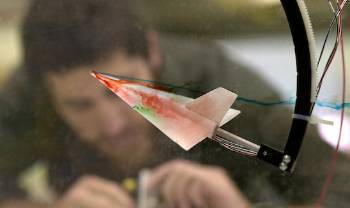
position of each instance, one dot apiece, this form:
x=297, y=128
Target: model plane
x=184, y=120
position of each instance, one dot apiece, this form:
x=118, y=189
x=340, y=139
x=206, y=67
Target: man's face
x=98, y=116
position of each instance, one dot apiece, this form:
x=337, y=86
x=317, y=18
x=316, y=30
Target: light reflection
x=330, y=133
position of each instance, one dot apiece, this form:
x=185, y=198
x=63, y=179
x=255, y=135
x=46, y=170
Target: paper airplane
x=184, y=120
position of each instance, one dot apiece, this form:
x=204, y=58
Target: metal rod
x=236, y=139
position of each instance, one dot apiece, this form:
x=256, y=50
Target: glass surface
x=67, y=141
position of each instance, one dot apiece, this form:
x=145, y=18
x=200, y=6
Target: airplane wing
x=184, y=120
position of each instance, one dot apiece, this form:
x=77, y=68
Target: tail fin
x=215, y=105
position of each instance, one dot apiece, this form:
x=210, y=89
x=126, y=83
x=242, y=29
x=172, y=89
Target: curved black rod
x=285, y=160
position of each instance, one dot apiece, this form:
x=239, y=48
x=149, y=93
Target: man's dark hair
x=61, y=34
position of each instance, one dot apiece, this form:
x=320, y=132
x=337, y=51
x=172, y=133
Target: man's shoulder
x=205, y=63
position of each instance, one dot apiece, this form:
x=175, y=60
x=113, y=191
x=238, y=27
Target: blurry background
x=253, y=32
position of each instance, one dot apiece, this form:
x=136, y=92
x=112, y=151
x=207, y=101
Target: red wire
x=331, y=57
x=333, y=163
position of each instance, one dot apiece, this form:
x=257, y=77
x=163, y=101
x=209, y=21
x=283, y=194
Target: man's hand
x=95, y=192
x=185, y=185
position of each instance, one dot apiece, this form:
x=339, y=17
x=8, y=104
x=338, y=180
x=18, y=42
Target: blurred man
x=54, y=111
x=88, y=137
